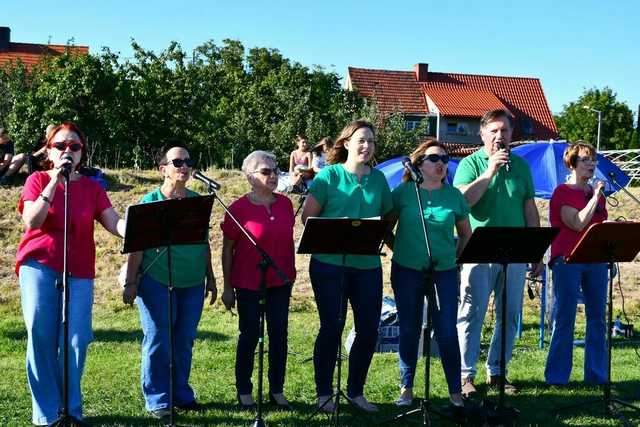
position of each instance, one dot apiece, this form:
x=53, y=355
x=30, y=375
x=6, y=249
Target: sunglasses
x=434, y=158
x=72, y=144
x=267, y=171
x=178, y=163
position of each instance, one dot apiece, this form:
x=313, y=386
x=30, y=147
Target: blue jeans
x=363, y=288
x=477, y=282
x=42, y=312
x=567, y=280
x=153, y=303
x=409, y=290
x=277, y=320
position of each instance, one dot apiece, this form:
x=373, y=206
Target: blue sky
x=570, y=45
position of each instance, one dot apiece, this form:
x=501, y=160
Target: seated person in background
x=37, y=159
x=10, y=163
x=300, y=163
x=319, y=154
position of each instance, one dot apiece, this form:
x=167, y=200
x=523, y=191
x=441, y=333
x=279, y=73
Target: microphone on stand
x=66, y=168
x=196, y=174
x=507, y=166
x=415, y=174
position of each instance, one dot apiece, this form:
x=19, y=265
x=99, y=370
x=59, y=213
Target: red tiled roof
x=463, y=102
x=458, y=94
x=523, y=96
x=30, y=54
x=393, y=90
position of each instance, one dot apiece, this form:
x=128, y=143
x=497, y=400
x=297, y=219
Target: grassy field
x=111, y=382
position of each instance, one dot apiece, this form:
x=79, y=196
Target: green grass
x=112, y=391
x=111, y=384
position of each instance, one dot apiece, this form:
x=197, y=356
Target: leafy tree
x=576, y=121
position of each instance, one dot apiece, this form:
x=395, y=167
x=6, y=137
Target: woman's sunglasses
x=268, y=171
x=434, y=158
x=178, y=163
x=73, y=145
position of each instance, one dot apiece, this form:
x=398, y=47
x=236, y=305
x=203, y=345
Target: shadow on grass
x=115, y=336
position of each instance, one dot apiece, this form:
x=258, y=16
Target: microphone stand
x=264, y=265
x=64, y=418
x=612, y=177
x=433, y=302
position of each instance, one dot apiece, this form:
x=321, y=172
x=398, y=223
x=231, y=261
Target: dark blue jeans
x=408, y=287
x=363, y=288
x=277, y=320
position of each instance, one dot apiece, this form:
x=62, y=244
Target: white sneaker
x=326, y=404
x=362, y=403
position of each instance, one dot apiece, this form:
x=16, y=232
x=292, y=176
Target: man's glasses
x=267, y=171
x=434, y=158
x=178, y=163
x=73, y=145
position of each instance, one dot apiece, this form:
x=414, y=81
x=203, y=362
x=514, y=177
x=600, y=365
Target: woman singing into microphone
x=39, y=265
x=353, y=189
x=574, y=207
x=444, y=209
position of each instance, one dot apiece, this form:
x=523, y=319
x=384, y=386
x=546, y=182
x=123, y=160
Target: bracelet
x=129, y=285
x=45, y=198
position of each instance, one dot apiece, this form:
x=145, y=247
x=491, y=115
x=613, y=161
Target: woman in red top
x=39, y=266
x=269, y=218
x=574, y=207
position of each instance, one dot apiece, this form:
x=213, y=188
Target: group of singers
x=492, y=187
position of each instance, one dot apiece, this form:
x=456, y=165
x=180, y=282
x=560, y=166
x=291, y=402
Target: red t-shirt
x=87, y=201
x=567, y=238
x=273, y=232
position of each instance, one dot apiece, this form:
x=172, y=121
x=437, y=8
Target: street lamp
x=586, y=107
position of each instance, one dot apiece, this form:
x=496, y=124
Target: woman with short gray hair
x=269, y=218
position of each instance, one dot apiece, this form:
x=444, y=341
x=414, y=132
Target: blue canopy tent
x=549, y=171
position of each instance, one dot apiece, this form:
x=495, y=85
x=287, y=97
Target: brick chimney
x=5, y=38
x=422, y=72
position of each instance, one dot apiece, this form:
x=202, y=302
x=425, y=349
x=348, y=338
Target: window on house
x=452, y=127
x=526, y=124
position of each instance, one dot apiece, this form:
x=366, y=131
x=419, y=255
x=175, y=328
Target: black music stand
x=608, y=242
x=164, y=224
x=506, y=245
x=343, y=236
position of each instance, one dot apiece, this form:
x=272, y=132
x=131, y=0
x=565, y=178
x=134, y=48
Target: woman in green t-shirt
x=444, y=208
x=349, y=188
x=192, y=279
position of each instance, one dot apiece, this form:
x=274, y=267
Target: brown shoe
x=468, y=389
x=494, y=380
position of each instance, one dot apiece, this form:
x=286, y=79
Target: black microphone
x=66, y=168
x=415, y=174
x=200, y=177
x=507, y=166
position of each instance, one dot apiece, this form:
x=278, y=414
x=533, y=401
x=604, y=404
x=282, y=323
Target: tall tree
x=577, y=121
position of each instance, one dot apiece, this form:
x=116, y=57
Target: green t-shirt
x=502, y=204
x=442, y=209
x=341, y=195
x=188, y=262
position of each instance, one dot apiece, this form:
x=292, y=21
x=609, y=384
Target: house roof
x=30, y=54
x=456, y=94
x=463, y=102
x=393, y=90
